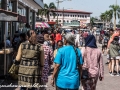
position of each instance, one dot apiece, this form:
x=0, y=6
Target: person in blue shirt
x=68, y=65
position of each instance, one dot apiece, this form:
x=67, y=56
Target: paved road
x=109, y=83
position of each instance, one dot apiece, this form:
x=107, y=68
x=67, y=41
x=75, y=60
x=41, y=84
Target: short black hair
x=111, y=30
x=59, y=41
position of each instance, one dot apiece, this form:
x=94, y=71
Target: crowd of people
x=36, y=53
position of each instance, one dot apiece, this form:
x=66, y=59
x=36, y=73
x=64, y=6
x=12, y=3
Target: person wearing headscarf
x=93, y=63
x=67, y=60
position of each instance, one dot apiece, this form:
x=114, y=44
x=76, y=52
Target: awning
x=52, y=23
x=41, y=24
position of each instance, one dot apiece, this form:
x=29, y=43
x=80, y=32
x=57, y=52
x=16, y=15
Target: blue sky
x=95, y=6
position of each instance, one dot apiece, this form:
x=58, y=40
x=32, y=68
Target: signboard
x=4, y=17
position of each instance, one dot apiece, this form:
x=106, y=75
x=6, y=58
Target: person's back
x=68, y=75
x=58, y=37
x=93, y=60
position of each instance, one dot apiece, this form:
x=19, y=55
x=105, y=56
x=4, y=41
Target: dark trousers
x=58, y=88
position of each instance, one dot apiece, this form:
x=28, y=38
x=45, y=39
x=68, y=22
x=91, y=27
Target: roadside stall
x=42, y=25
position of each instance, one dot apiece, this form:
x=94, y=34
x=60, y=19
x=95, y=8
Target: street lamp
x=58, y=2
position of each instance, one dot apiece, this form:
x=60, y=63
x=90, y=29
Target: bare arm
x=56, y=68
x=19, y=54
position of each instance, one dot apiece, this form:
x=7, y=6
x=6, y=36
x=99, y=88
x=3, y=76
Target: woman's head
x=69, y=39
x=90, y=41
x=32, y=38
x=46, y=37
x=59, y=44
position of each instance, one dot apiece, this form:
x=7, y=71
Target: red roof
x=73, y=11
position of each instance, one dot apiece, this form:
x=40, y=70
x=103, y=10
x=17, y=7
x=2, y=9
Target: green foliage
x=47, y=9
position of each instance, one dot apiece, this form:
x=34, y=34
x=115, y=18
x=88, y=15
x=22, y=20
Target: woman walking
x=67, y=60
x=93, y=63
x=31, y=58
x=48, y=52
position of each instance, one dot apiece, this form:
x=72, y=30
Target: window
x=60, y=15
x=67, y=21
x=50, y=14
x=63, y=20
x=0, y=3
x=68, y=15
x=59, y=20
x=75, y=15
x=85, y=16
x=78, y=15
x=71, y=15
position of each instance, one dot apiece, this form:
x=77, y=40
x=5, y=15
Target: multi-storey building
x=25, y=12
x=67, y=16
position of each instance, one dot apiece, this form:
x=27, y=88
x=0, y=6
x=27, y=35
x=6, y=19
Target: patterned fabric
x=29, y=71
x=89, y=84
x=93, y=61
x=48, y=62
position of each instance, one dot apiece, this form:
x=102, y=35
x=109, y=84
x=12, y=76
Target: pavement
x=109, y=82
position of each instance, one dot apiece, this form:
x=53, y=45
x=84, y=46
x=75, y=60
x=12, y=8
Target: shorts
x=115, y=58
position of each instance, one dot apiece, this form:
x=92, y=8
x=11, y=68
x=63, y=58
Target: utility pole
x=63, y=16
x=58, y=2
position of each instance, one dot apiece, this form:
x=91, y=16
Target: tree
x=106, y=17
x=47, y=9
x=92, y=20
x=116, y=12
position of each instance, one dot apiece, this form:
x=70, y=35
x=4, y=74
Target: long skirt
x=89, y=84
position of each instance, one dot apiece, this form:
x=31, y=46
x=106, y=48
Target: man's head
x=111, y=31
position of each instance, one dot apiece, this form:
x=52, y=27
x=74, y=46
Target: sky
x=95, y=6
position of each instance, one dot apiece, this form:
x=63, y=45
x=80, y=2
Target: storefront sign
x=4, y=17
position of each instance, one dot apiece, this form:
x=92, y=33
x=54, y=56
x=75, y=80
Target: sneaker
x=117, y=74
x=112, y=74
x=107, y=63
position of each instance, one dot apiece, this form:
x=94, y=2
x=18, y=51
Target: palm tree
x=47, y=9
x=106, y=17
x=115, y=9
x=92, y=20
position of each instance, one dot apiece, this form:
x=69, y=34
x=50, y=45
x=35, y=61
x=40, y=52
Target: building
x=23, y=10
x=67, y=16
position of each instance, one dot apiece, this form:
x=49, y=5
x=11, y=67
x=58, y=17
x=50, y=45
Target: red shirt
x=58, y=37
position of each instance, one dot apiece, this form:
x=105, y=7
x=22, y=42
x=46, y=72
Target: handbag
x=13, y=71
x=85, y=73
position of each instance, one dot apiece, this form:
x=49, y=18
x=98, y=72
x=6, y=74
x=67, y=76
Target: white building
x=69, y=15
